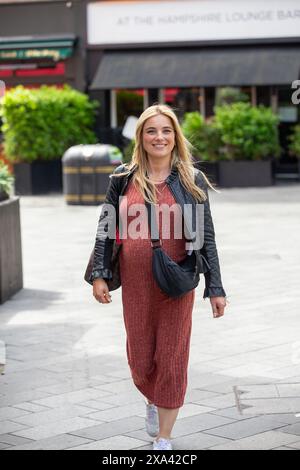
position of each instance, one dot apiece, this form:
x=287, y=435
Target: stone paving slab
x=2, y=356
x=20, y=397
x=97, y=405
x=119, y=412
x=246, y=428
x=77, y=396
x=55, y=415
x=268, y=399
x=102, y=431
x=219, y=402
x=59, y=442
x=293, y=429
x=231, y=412
x=8, y=412
x=264, y=441
x=271, y=406
x=54, y=428
x=4, y=446
x=31, y=407
x=69, y=385
x=199, y=423
x=193, y=441
x=11, y=440
x=66, y=354
x=284, y=448
x=295, y=445
x=109, y=401
x=115, y=442
x=8, y=426
x=197, y=441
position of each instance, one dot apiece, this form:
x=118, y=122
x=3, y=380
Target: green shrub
x=203, y=135
x=247, y=132
x=294, y=145
x=6, y=179
x=192, y=125
x=128, y=151
x=41, y=124
x=229, y=95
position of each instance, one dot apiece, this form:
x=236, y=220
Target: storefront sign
x=182, y=21
x=55, y=54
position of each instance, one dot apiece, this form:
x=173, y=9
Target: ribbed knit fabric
x=158, y=327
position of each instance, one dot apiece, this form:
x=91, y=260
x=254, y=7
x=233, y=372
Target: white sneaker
x=152, y=422
x=162, y=444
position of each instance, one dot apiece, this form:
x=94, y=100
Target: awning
x=37, y=47
x=234, y=66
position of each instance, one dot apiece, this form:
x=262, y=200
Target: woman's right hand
x=101, y=292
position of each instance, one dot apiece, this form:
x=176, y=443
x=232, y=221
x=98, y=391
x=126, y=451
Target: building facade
x=182, y=52
x=130, y=54
x=42, y=42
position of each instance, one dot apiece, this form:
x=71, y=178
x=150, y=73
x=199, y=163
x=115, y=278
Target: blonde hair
x=181, y=158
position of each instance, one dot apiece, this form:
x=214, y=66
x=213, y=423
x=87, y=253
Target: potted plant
x=39, y=125
x=229, y=95
x=205, y=141
x=294, y=145
x=11, y=275
x=249, y=144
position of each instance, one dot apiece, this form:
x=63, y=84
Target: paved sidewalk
x=67, y=383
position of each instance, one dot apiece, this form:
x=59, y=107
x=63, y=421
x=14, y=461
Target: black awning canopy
x=239, y=66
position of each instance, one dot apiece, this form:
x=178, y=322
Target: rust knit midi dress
x=158, y=327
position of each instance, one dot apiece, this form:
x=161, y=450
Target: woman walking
x=158, y=326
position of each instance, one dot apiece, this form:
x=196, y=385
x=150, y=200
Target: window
x=129, y=103
x=288, y=115
x=184, y=100
x=210, y=96
x=263, y=95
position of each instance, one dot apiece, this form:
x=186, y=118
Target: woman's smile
x=159, y=136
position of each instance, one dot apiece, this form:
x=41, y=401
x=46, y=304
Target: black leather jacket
x=207, y=256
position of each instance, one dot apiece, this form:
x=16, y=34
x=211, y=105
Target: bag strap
x=154, y=232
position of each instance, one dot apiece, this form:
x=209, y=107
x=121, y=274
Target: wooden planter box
x=11, y=273
x=38, y=177
x=245, y=173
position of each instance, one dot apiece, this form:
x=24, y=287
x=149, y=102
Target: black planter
x=38, y=177
x=3, y=196
x=211, y=170
x=245, y=173
x=286, y=168
x=11, y=274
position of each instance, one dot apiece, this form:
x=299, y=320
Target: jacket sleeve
x=213, y=281
x=106, y=231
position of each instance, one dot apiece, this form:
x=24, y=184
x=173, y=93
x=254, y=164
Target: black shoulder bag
x=175, y=279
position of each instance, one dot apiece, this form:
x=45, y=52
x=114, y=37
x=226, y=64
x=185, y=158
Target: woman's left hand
x=218, y=305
